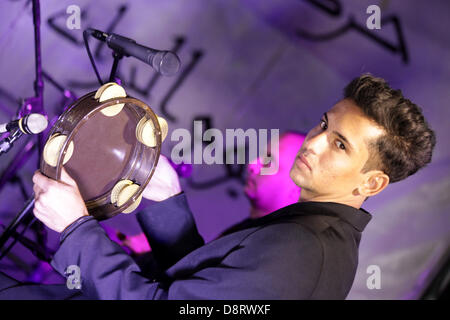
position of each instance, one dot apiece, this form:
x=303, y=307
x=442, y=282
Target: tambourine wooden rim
x=70, y=122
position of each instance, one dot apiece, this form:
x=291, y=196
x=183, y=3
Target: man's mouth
x=250, y=181
x=301, y=160
x=250, y=188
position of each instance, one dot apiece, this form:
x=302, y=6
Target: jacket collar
x=358, y=218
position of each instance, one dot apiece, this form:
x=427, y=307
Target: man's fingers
x=41, y=181
x=38, y=205
x=41, y=216
x=36, y=176
x=37, y=191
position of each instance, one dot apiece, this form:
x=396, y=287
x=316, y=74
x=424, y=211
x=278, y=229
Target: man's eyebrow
x=344, y=138
x=339, y=134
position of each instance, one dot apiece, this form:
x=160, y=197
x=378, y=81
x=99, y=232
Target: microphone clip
x=7, y=143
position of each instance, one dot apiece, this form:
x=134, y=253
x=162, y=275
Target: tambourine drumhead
x=106, y=150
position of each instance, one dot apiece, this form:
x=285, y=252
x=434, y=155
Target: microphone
x=32, y=123
x=166, y=63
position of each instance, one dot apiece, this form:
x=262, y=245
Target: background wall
x=253, y=64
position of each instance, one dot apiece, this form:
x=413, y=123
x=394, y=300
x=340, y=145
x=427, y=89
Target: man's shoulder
x=316, y=223
x=285, y=231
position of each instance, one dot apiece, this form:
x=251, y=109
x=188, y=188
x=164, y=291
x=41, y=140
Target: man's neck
x=355, y=202
x=256, y=212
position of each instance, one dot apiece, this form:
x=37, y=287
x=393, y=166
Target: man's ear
x=374, y=183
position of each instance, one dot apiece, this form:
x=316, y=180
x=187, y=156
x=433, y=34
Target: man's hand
x=58, y=204
x=164, y=183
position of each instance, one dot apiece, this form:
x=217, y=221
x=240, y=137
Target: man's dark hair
x=408, y=142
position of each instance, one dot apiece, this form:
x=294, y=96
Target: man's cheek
x=268, y=187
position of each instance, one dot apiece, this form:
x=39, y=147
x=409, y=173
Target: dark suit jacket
x=307, y=250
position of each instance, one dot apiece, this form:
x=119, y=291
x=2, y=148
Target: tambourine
x=110, y=145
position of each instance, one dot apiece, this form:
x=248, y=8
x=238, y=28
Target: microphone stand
x=117, y=56
x=37, y=106
x=11, y=229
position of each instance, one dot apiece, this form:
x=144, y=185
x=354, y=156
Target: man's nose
x=254, y=167
x=317, y=143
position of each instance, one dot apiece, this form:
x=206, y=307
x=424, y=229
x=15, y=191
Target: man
x=308, y=250
x=269, y=193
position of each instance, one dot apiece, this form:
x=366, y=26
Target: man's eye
x=340, y=145
x=266, y=161
x=323, y=125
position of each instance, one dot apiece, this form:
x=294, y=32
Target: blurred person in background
x=266, y=194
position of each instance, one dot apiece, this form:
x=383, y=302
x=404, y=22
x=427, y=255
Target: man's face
x=336, y=150
x=271, y=192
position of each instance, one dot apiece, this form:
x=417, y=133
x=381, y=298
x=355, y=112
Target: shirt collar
x=358, y=218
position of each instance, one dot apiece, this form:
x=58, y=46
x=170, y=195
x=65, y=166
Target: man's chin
x=297, y=178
